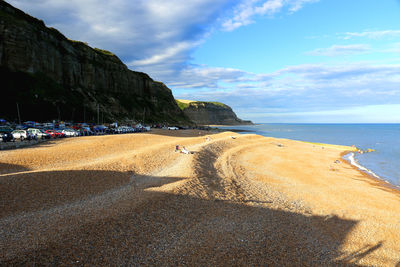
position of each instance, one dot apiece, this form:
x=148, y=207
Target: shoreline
x=369, y=174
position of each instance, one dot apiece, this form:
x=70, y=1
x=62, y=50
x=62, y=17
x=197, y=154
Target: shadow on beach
x=10, y=168
x=107, y=218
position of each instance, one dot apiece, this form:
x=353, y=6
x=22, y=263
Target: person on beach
x=183, y=150
x=177, y=148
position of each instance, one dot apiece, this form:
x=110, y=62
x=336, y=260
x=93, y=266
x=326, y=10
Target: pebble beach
x=242, y=200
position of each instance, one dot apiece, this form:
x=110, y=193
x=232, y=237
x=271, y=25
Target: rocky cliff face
x=210, y=113
x=52, y=77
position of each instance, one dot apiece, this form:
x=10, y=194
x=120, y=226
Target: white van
x=36, y=132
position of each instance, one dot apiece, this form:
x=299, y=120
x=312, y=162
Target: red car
x=54, y=134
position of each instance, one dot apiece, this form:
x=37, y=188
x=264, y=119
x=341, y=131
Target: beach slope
x=237, y=200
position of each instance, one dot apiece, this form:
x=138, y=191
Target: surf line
x=350, y=157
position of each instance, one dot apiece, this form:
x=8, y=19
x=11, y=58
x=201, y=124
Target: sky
x=283, y=61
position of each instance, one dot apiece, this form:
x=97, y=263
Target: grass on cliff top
x=105, y=52
x=217, y=104
x=339, y=147
x=182, y=103
x=101, y=51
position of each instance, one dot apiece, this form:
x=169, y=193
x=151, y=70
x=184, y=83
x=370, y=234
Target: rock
x=53, y=77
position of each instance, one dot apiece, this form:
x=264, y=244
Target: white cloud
x=341, y=50
x=371, y=34
x=245, y=12
x=206, y=77
x=171, y=53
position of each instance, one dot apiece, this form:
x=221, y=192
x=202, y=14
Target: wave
x=353, y=161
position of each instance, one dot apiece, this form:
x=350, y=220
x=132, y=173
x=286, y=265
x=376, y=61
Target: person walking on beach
x=185, y=151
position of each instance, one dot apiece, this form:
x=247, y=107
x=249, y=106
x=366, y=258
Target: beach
x=237, y=200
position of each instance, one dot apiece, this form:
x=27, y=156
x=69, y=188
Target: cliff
x=210, y=113
x=52, y=77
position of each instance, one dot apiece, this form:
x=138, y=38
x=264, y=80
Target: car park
x=35, y=130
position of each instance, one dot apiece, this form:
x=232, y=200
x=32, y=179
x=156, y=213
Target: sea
x=383, y=163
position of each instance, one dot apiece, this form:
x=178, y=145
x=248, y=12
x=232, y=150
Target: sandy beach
x=242, y=200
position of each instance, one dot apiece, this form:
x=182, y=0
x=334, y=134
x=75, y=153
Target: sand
x=247, y=200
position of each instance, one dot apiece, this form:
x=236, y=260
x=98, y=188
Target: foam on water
x=350, y=158
x=353, y=161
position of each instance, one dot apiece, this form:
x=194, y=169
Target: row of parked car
x=24, y=132
x=7, y=134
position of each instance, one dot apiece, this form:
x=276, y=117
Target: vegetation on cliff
x=205, y=113
x=183, y=104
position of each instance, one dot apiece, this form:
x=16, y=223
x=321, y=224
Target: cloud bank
x=303, y=89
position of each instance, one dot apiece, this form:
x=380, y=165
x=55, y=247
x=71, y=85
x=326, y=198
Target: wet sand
x=248, y=200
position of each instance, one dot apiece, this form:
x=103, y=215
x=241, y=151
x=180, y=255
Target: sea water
x=384, y=162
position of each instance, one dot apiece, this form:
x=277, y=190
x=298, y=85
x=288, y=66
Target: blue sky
x=270, y=60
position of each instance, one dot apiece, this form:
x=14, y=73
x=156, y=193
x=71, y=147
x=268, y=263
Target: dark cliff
x=210, y=113
x=52, y=77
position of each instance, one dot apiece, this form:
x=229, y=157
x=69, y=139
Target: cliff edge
x=209, y=113
x=52, y=77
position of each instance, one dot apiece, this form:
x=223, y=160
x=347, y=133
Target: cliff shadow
x=105, y=218
x=10, y=168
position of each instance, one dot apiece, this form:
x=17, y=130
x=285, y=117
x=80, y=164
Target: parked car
x=70, y=132
x=30, y=123
x=173, y=128
x=44, y=135
x=20, y=134
x=60, y=134
x=48, y=125
x=84, y=131
x=5, y=134
x=21, y=127
x=38, y=133
x=54, y=133
x=125, y=129
x=100, y=129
